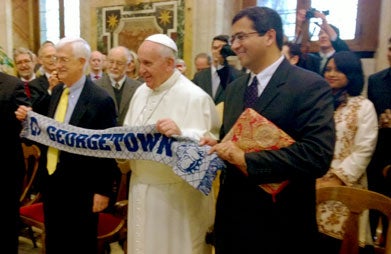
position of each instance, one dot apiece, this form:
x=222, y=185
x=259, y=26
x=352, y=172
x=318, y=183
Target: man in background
x=329, y=41
x=202, y=61
x=293, y=53
x=96, y=63
x=41, y=87
x=11, y=156
x=181, y=65
x=379, y=92
x=120, y=87
x=24, y=62
x=216, y=78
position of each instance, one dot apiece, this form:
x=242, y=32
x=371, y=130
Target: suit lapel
x=106, y=84
x=55, y=97
x=207, y=82
x=272, y=88
x=234, y=103
x=81, y=105
x=126, y=94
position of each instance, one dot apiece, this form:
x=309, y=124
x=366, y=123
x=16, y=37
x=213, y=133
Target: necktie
x=52, y=155
x=27, y=89
x=97, y=77
x=251, y=94
x=116, y=86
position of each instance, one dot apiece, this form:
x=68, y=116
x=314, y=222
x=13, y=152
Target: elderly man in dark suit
x=41, y=87
x=11, y=157
x=117, y=83
x=215, y=79
x=379, y=92
x=248, y=218
x=77, y=187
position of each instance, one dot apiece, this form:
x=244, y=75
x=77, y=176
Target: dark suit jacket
x=203, y=79
x=310, y=62
x=128, y=89
x=379, y=92
x=247, y=220
x=68, y=192
x=11, y=157
x=338, y=45
x=40, y=96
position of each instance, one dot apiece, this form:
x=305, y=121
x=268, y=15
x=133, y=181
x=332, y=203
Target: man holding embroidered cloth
x=166, y=214
x=248, y=219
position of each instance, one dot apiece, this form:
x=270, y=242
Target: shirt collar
x=25, y=80
x=265, y=75
x=328, y=54
x=169, y=82
x=78, y=85
x=120, y=82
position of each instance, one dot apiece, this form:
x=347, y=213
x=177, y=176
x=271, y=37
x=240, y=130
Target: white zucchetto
x=164, y=40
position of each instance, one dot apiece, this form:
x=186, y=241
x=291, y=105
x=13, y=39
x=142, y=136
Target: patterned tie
x=251, y=94
x=52, y=155
x=116, y=85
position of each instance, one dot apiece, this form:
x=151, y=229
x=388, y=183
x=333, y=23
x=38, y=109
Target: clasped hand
x=385, y=119
x=227, y=151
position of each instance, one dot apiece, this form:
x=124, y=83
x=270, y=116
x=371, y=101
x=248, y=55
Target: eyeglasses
x=23, y=62
x=62, y=59
x=118, y=63
x=242, y=36
x=48, y=57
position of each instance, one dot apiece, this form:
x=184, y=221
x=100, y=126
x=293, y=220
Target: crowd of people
x=340, y=138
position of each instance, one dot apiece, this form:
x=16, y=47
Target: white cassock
x=166, y=215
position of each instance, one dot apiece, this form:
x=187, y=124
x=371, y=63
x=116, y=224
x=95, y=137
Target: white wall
x=210, y=18
x=6, y=41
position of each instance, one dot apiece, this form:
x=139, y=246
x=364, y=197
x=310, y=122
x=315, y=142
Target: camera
x=310, y=13
x=226, y=51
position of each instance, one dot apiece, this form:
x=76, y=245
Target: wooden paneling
x=25, y=24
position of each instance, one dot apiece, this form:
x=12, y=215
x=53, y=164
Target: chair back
x=357, y=201
x=123, y=186
x=32, y=154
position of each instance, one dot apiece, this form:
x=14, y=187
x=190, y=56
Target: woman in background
x=356, y=136
x=133, y=67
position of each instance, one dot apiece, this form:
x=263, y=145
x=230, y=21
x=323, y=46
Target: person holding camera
x=329, y=41
x=215, y=79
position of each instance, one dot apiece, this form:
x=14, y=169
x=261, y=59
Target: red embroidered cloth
x=252, y=132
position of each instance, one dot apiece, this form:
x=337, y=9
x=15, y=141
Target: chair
x=112, y=227
x=29, y=196
x=31, y=154
x=357, y=200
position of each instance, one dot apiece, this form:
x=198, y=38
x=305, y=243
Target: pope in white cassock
x=166, y=214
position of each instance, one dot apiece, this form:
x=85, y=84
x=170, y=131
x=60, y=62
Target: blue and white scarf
x=188, y=160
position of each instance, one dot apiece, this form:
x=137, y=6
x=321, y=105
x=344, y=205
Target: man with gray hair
x=46, y=78
x=24, y=63
x=96, y=65
x=117, y=83
x=167, y=215
x=75, y=188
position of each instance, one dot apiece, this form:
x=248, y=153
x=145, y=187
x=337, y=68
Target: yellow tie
x=52, y=155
